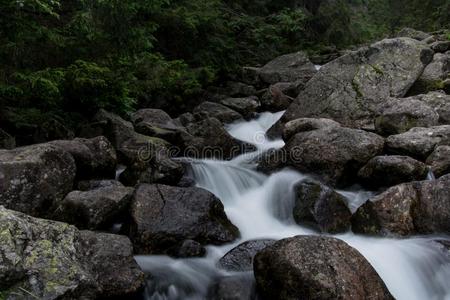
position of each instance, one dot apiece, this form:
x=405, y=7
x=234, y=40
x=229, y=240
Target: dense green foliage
x=77, y=56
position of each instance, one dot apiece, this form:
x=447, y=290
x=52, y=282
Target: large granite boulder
x=245, y=106
x=316, y=267
x=240, y=258
x=335, y=154
x=306, y=124
x=95, y=208
x=41, y=259
x=287, y=68
x=440, y=102
x=420, y=207
x=34, y=178
x=94, y=158
x=433, y=76
x=165, y=216
x=321, y=206
x=386, y=171
x=413, y=33
x=418, y=142
x=353, y=88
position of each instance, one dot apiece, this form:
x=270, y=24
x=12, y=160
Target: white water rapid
x=261, y=207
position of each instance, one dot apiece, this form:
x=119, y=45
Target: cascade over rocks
x=52, y=260
x=94, y=158
x=320, y=205
x=335, y=154
x=420, y=207
x=439, y=161
x=352, y=89
x=386, y=171
x=240, y=258
x=34, y=178
x=419, y=142
x=165, y=216
x=96, y=208
x=316, y=267
x=287, y=68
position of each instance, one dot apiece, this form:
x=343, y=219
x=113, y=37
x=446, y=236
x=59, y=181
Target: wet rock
x=418, y=142
x=274, y=99
x=245, y=106
x=287, y=68
x=211, y=140
x=316, y=267
x=335, y=154
x=419, y=207
x=433, y=76
x=215, y=110
x=187, y=248
x=403, y=114
x=94, y=158
x=51, y=260
x=352, y=89
x=413, y=33
x=439, y=161
x=95, y=208
x=164, y=216
x=320, y=205
x=234, y=287
x=385, y=171
x=34, y=178
x=6, y=141
x=440, y=46
x=306, y=124
x=240, y=258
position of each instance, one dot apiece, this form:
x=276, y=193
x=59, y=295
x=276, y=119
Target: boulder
x=239, y=89
x=418, y=142
x=316, y=267
x=44, y=259
x=306, y=124
x=403, y=114
x=420, y=207
x=287, y=68
x=164, y=216
x=250, y=75
x=274, y=99
x=116, y=129
x=34, y=178
x=234, y=287
x=352, y=89
x=240, y=258
x=440, y=46
x=245, y=106
x=413, y=33
x=440, y=102
x=211, y=140
x=335, y=154
x=94, y=158
x=87, y=185
x=439, y=161
x=386, y=171
x=320, y=205
x=216, y=110
x=291, y=89
x=433, y=76
x=155, y=117
x=95, y=208
x=188, y=248
x=6, y=141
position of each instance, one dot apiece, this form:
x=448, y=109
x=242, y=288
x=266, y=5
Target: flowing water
x=261, y=207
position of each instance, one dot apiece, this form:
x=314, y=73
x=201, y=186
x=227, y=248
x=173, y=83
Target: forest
x=65, y=59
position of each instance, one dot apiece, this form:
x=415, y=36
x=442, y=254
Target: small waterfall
x=261, y=207
x=430, y=175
